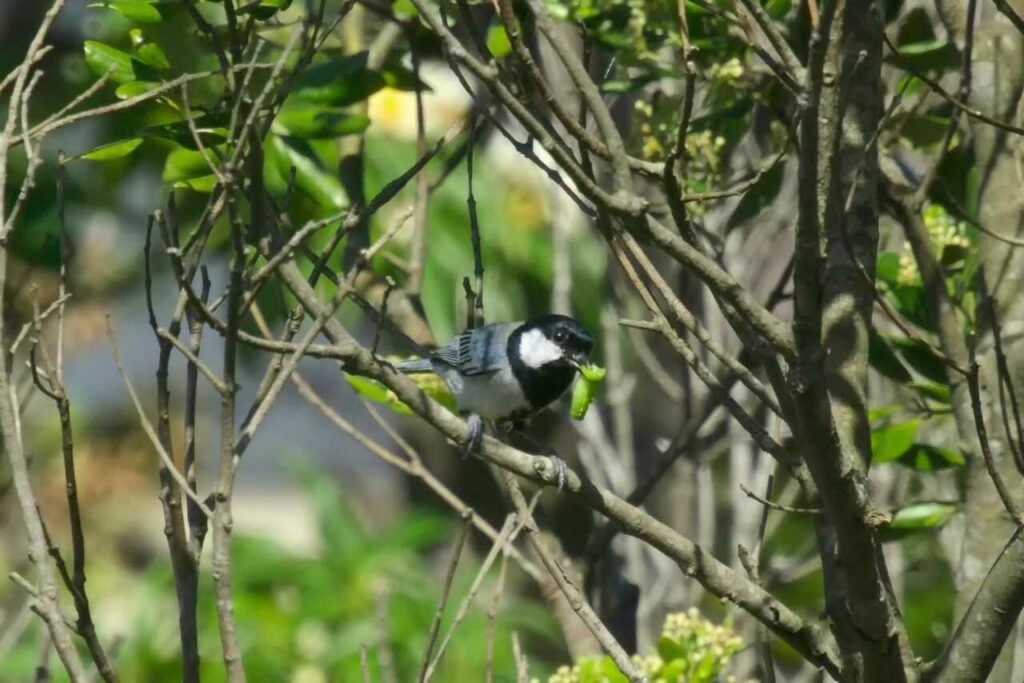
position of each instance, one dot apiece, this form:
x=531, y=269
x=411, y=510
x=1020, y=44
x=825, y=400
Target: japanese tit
x=506, y=371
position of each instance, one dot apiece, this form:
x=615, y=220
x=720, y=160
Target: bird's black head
x=545, y=353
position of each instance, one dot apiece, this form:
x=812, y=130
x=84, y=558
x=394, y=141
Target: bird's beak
x=577, y=359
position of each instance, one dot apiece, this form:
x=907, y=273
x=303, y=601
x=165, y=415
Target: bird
x=505, y=372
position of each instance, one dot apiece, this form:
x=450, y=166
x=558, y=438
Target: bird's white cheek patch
x=537, y=350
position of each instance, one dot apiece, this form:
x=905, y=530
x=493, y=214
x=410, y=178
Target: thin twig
x=435, y=625
x=492, y=618
x=775, y=506
x=576, y=599
x=474, y=235
x=147, y=426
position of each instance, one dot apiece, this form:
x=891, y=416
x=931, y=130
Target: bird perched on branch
x=504, y=372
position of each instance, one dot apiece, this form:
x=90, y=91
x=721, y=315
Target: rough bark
x=997, y=77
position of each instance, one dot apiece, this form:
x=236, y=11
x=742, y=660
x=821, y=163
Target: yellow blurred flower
x=393, y=112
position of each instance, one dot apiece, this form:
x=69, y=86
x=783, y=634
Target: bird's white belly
x=493, y=396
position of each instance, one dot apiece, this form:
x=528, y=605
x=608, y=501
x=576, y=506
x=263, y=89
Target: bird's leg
x=476, y=434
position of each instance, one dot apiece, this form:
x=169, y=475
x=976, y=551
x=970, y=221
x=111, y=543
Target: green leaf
x=673, y=671
x=611, y=671
x=404, y=9
x=184, y=164
x=152, y=55
x=102, y=58
x=778, y=9
x=128, y=90
x=339, y=82
x=311, y=177
x=307, y=121
x=882, y=412
x=264, y=9
x=179, y=132
x=925, y=130
x=368, y=388
x=927, y=458
x=887, y=267
x=398, y=76
x=933, y=390
x=138, y=11
x=885, y=361
x=202, y=184
x=757, y=198
x=920, y=358
x=670, y=649
x=113, y=150
x=918, y=517
x=498, y=42
x=924, y=47
x=889, y=443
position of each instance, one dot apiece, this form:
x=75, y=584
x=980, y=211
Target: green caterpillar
x=586, y=388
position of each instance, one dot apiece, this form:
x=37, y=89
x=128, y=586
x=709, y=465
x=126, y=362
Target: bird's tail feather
x=415, y=365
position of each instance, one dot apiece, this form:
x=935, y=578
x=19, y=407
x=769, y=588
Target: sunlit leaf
x=138, y=11
x=202, y=184
x=152, y=55
x=882, y=412
x=113, y=150
x=404, y=8
x=320, y=183
x=923, y=47
x=103, y=58
x=889, y=443
x=669, y=649
x=932, y=390
x=887, y=267
x=498, y=42
x=183, y=164
x=128, y=90
x=432, y=385
x=918, y=517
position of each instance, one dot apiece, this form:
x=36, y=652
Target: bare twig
x=506, y=537
x=435, y=625
x=576, y=599
x=45, y=603
x=522, y=668
x=492, y=619
x=977, y=407
x=474, y=235
x=775, y=506
x=147, y=426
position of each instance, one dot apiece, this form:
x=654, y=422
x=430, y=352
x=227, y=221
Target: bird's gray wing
x=479, y=351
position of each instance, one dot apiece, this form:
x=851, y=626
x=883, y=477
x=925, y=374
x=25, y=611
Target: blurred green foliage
x=313, y=614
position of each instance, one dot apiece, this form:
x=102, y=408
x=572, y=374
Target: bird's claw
x=475, y=436
x=561, y=472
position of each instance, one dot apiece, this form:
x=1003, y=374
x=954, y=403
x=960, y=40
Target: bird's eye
x=560, y=336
